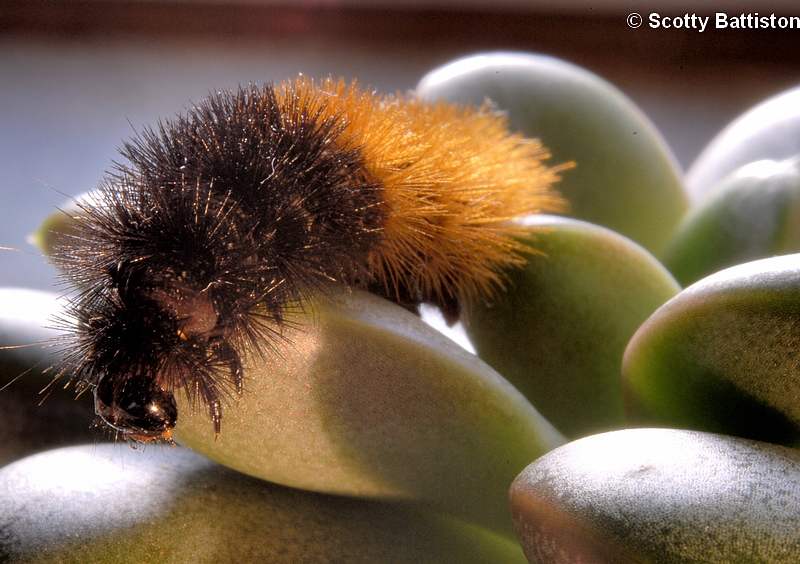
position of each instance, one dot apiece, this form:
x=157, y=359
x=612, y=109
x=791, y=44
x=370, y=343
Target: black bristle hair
x=222, y=217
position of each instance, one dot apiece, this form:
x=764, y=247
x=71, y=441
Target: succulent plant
x=634, y=394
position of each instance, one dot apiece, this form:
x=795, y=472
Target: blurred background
x=79, y=76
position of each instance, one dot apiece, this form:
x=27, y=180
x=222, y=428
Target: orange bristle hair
x=454, y=177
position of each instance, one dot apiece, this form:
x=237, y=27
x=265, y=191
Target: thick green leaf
x=60, y=222
x=625, y=177
x=361, y=397
x=753, y=213
x=110, y=504
x=660, y=495
x=771, y=131
x=723, y=355
x=559, y=331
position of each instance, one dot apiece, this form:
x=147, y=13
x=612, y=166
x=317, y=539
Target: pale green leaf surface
x=365, y=399
x=110, y=504
x=770, y=130
x=751, y=214
x=723, y=355
x=626, y=177
x=660, y=495
x=559, y=331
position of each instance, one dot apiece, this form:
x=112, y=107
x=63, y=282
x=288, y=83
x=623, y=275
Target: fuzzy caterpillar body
x=227, y=214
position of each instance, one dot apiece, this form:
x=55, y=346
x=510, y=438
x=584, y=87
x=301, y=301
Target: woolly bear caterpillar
x=226, y=215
